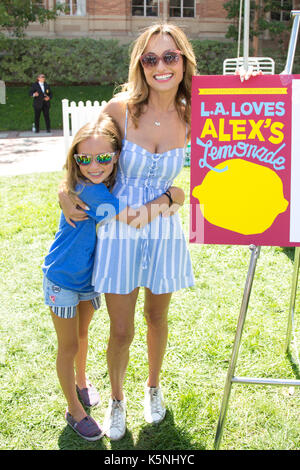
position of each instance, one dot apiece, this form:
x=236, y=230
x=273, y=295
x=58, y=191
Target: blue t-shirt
x=69, y=263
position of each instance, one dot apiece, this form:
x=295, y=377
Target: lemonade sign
x=241, y=160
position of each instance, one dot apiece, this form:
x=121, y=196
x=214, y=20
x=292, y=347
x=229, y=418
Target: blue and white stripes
x=70, y=312
x=155, y=256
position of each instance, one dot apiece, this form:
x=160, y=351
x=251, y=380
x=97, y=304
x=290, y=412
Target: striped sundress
x=155, y=256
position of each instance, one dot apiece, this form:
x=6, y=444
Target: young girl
x=91, y=169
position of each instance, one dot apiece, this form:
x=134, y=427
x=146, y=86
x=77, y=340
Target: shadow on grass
x=69, y=440
x=294, y=365
x=289, y=251
x=164, y=436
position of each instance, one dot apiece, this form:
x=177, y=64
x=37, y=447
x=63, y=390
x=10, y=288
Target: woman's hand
x=178, y=197
x=72, y=207
x=245, y=75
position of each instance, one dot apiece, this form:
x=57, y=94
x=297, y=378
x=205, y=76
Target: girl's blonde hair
x=105, y=127
x=136, y=90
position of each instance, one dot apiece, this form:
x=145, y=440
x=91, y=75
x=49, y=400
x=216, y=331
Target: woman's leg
x=67, y=340
x=121, y=310
x=156, y=314
x=85, y=315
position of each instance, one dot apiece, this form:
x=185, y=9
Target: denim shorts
x=63, y=302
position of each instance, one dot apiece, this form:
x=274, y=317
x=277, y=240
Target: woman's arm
x=141, y=216
x=72, y=207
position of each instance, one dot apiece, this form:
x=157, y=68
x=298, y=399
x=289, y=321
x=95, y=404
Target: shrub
x=93, y=61
x=64, y=61
x=87, y=61
x=211, y=54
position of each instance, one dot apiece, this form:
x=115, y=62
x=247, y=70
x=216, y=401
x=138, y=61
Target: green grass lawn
x=17, y=113
x=202, y=326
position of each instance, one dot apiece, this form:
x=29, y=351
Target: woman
x=153, y=111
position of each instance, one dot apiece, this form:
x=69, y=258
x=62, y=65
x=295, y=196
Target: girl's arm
x=141, y=216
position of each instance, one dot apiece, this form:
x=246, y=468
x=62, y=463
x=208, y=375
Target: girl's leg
x=85, y=315
x=156, y=314
x=121, y=310
x=67, y=338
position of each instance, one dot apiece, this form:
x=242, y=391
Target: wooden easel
x=255, y=252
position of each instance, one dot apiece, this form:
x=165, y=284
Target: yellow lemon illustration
x=244, y=197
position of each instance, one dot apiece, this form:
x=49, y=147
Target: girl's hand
x=178, y=197
x=72, y=207
x=246, y=75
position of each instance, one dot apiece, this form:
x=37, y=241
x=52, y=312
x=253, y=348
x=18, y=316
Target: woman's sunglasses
x=102, y=158
x=168, y=57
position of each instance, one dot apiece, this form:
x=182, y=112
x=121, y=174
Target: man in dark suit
x=42, y=94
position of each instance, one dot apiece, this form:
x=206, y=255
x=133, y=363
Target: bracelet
x=167, y=193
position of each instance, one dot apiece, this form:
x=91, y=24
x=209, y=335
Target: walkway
x=27, y=152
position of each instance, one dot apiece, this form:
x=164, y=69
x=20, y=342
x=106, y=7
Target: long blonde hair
x=105, y=127
x=136, y=90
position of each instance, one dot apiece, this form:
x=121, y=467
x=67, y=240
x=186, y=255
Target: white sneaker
x=114, y=425
x=154, y=407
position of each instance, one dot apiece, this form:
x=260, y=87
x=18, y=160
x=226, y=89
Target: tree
x=15, y=15
x=266, y=15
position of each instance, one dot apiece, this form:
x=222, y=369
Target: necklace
x=157, y=122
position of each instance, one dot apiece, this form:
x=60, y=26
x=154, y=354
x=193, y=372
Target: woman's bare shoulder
x=116, y=108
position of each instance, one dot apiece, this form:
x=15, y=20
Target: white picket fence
x=76, y=115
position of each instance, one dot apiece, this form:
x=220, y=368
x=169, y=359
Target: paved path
x=27, y=152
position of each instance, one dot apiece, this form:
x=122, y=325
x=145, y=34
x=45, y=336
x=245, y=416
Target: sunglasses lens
x=170, y=57
x=149, y=60
x=83, y=159
x=104, y=158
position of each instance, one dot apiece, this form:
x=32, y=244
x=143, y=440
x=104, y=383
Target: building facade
x=124, y=19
